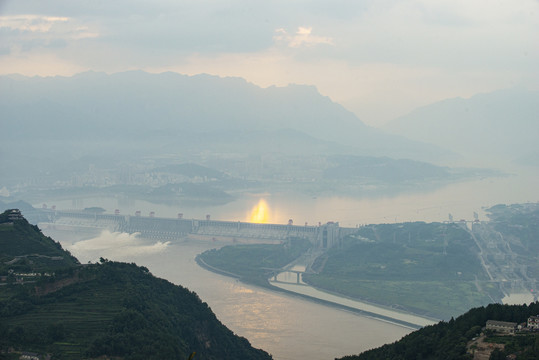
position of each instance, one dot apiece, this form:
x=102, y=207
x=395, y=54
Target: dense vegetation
x=253, y=263
x=23, y=248
x=448, y=340
x=108, y=309
x=429, y=268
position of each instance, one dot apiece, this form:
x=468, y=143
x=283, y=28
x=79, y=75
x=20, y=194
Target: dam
x=322, y=236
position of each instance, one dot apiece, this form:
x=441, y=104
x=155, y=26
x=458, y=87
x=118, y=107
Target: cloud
x=115, y=246
x=5, y=50
x=27, y=32
x=302, y=37
x=32, y=23
x=333, y=45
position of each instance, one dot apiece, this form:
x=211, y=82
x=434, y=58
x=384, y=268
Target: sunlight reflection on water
x=459, y=199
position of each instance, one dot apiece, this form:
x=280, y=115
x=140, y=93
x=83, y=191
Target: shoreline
x=268, y=286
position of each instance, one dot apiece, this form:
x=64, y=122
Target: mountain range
x=54, y=128
x=131, y=110
x=502, y=125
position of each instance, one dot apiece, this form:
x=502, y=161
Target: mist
x=377, y=151
x=114, y=246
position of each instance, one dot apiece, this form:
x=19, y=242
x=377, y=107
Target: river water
x=460, y=199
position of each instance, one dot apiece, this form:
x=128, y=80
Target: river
x=286, y=326
x=460, y=199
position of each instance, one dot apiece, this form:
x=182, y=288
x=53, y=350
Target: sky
x=378, y=58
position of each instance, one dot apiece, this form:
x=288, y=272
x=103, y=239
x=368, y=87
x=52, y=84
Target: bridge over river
x=322, y=236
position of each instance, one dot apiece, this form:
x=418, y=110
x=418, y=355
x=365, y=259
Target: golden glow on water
x=260, y=212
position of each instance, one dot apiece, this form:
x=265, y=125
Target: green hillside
x=104, y=310
x=426, y=268
x=253, y=263
x=23, y=248
x=452, y=340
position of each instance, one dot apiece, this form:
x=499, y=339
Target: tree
x=497, y=354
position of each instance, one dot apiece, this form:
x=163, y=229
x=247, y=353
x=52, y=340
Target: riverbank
x=208, y=267
x=372, y=310
x=368, y=310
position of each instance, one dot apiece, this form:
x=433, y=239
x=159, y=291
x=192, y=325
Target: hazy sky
x=378, y=58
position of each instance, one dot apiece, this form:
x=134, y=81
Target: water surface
x=460, y=199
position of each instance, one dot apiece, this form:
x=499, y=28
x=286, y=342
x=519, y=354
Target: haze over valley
x=167, y=138
x=311, y=179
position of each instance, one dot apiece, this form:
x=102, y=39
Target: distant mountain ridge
x=501, y=124
x=170, y=109
x=202, y=102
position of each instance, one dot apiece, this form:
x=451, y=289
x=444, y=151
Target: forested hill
x=23, y=248
x=450, y=340
x=107, y=309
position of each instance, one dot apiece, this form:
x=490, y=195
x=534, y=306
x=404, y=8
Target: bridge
x=168, y=229
x=276, y=272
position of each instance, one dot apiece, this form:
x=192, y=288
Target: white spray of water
x=115, y=246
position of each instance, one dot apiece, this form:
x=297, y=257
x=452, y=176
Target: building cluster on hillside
x=533, y=322
x=24, y=355
x=15, y=215
x=511, y=327
x=12, y=216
